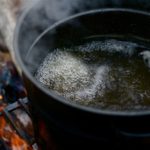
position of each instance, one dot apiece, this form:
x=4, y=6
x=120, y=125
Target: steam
x=47, y=12
x=28, y=3
x=60, y=9
x=9, y=12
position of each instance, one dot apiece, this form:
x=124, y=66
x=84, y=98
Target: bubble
x=97, y=85
x=146, y=57
x=71, y=77
x=63, y=72
x=111, y=46
x=92, y=74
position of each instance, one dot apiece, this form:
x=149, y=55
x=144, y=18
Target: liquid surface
x=105, y=74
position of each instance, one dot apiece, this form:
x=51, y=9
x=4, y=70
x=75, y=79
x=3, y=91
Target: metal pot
x=79, y=123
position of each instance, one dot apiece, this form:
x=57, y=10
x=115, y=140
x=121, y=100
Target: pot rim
x=60, y=98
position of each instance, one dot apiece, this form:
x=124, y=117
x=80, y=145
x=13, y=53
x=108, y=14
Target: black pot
x=80, y=124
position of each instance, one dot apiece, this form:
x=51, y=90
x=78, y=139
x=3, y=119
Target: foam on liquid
x=102, y=74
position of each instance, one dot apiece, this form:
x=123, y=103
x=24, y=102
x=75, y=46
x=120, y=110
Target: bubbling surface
x=104, y=74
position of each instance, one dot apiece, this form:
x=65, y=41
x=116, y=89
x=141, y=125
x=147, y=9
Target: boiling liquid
x=105, y=74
